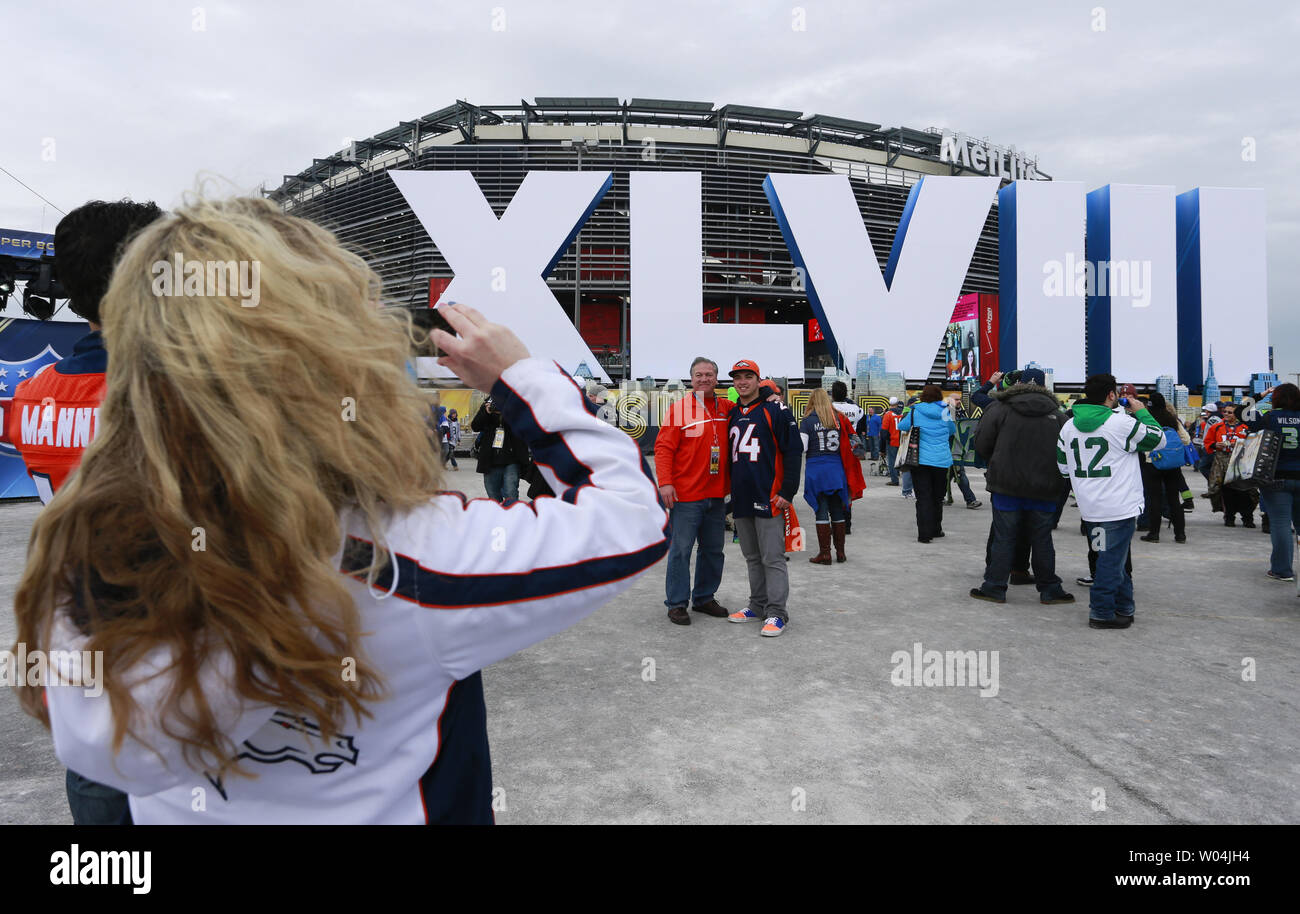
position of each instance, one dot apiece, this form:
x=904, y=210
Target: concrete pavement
x=628, y=718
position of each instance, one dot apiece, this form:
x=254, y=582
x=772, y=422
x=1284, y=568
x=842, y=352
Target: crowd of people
x=311, y=519
x=1119, y=456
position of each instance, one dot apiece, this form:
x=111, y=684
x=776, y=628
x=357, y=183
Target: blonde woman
x=292, y=614
x=828, y=474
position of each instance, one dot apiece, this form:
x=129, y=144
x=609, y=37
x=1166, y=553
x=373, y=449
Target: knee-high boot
x=823, y=556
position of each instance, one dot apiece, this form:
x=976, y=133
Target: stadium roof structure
x=592, y=120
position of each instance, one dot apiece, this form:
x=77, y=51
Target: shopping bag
x=793, y=532
x=1254, y=460
x=904, y=441
x=911, y=452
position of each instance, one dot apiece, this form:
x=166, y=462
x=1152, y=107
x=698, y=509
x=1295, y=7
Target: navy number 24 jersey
x=766, y=453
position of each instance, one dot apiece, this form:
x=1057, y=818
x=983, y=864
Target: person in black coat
x=502, y=455
x=1017, y=436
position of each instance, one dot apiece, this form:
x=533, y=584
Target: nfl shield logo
x=11, y=375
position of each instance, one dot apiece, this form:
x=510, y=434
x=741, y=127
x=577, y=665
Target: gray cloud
x=138, y=102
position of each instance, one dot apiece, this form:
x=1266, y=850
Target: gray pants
x=762, y=542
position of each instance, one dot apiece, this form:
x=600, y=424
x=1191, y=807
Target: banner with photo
x=961, y=340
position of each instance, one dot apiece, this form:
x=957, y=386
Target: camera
x=42, y=289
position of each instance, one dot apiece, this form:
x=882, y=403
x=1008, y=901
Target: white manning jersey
x=852, y=412
x=474, y=583
x=1103, y=464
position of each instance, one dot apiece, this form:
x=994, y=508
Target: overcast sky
x=134, y=99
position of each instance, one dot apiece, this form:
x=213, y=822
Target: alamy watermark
x=81, y=669
x=946, y=668
x=240, y=279
x=90, y=867
x=1124, y=278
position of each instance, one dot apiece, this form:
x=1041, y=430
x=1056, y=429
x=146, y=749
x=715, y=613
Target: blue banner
x=26, y=346
x=27, y=245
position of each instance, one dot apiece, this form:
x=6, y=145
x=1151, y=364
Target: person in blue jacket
x=873, y=421
x=932, y=416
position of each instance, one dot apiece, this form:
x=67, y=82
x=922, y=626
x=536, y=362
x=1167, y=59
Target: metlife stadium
x=747, y=270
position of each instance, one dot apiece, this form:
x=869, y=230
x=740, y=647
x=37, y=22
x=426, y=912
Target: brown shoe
x=823, y=556
x=712, y=608
x=678, y=616
x=837, y=534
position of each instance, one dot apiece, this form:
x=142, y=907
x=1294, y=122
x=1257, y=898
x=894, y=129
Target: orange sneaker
x=773, y=627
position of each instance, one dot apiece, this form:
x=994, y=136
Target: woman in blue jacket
x=1281, y=499
x=933, y=420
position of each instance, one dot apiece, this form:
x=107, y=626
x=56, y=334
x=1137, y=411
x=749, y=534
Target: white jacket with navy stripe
x=475, y=582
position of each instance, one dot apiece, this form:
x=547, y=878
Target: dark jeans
x=929, y=482
x=701, y=522
x=1282, y=502
x=93, y=803
x=1019, y=555
x=1163, y=487
x=1112, y=582
x=958, y=472
x=1004, y=534
x=830, y=509
x=502, y=484
x=1092, y=554
x=891, y=452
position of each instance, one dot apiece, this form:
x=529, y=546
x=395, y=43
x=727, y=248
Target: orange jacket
x=1224, y=432
x=889, y=423
x=688, y=434
x=54, y=414
x=852, y=465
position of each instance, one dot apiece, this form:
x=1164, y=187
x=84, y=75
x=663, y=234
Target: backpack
x=1172, y=454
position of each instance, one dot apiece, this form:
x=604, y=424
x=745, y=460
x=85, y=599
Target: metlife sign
x=978, y=155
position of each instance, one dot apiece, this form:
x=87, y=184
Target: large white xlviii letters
x=500, y=265
x=1133, y=307
x=905, y=309
x=667, y=326
x=1042, y=276
x=1222, y=283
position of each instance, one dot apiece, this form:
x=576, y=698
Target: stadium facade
x=747, y=270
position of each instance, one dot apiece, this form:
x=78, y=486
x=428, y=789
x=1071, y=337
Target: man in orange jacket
x=1222, y=437
x=691, y=467
x=889, y=425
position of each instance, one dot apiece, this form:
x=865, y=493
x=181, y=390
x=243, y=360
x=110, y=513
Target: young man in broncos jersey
x=766, y=453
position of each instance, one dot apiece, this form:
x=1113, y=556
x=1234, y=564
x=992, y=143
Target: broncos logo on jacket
x=307, y=749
